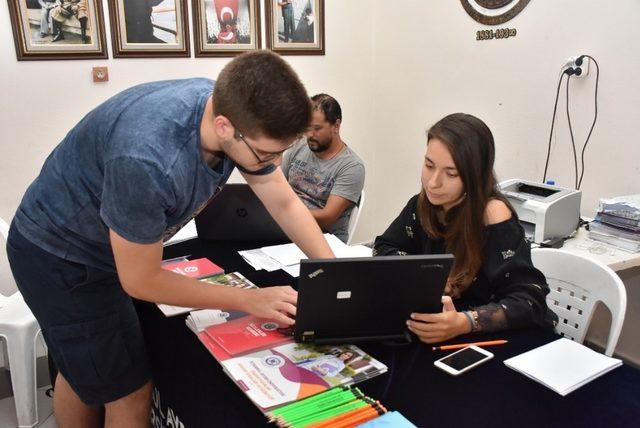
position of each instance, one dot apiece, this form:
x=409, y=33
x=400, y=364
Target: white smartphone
x=463, y=360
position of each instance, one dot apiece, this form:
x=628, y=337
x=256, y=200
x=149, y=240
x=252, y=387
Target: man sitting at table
x=88, y=234
x=324, y=172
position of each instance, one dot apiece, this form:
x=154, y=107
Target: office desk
x=609, y=255
x=627, y=266
x=192, y=389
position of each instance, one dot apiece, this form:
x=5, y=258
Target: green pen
x=307, y=400
x=320, y=403
x=319, y=416
x=308, y=410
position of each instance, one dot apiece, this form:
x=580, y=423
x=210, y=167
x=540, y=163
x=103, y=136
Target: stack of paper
x=562, y=365
x=287, y=256
x=617, y=222
x=199, y=320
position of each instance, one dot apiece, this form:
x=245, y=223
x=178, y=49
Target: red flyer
x=197, y=268
x=246, y=334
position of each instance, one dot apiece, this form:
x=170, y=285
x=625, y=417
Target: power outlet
x=100, y=74
x=571, y=62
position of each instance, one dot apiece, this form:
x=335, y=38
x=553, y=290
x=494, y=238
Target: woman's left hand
x=434, y=328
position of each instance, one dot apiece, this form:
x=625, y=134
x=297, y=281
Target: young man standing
x=324, y=172
x=88, y=233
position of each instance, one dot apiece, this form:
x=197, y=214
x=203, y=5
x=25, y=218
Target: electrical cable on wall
x=553, y=121
x=595, y=115
x=571, y=71
x=573, y=140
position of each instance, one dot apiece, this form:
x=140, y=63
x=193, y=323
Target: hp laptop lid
x=359, y=299
x=236, y=214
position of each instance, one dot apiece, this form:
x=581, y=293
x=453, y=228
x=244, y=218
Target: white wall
x=41, y=100
x=396, y=67
x=428, y=64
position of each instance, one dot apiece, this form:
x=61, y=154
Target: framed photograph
x=225, y=27
x=149, y=28
x=295, y=27
x=58, y=29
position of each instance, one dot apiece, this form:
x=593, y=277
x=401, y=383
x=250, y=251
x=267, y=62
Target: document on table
x=562, y=365
x=287, y=256
x=187, y=232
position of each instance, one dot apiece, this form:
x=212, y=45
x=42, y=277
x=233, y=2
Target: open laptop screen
x=236, y=214
x=371, y=298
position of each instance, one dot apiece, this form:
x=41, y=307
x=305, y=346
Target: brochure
x=289, y=372
x=198, y=268
x=233, y=279
x=246, y=334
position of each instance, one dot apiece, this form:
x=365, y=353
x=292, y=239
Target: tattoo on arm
x=491, y=317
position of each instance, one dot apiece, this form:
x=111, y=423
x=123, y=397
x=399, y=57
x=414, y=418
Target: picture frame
x=224, y=28
x=149, y=28
x=58, y=30
x=295, y=27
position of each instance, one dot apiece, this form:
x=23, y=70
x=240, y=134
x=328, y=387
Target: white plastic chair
x=577, y=283
x=354, y=218
x=19, y=329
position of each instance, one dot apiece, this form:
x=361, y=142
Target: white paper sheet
x=187, y=232
x=562, y=365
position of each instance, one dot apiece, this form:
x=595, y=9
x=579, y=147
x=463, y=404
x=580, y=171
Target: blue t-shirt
x=134, y=164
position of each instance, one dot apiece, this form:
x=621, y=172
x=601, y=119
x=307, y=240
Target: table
x=627, y=266
x=606, y=254
x=191, y=390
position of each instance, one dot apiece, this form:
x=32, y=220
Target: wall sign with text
x=494, y=12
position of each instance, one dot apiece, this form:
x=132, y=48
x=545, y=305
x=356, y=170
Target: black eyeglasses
x=268, y=157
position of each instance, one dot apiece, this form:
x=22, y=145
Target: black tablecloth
x=191, y=387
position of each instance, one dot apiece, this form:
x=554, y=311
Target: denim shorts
x=88, y=322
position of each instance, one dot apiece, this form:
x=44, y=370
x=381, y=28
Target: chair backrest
x=6, y=277
x=4, y=229
x=355, y=217
x=577, y=283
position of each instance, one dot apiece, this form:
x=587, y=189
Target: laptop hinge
x=403, y=337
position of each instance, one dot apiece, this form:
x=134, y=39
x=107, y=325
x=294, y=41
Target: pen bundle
x=336, y=408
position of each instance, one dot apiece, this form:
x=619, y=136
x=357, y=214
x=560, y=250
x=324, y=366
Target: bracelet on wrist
x=473, y=320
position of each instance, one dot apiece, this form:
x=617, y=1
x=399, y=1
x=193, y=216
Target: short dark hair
x=262, y=95
x=329, y=106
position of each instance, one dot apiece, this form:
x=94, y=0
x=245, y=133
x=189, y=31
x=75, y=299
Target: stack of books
x=617, y=222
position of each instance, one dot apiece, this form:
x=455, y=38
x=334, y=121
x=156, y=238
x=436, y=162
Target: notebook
x=236, y=214
x=367, y=299
x=563, y=365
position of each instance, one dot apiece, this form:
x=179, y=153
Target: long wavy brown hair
x=471, y=145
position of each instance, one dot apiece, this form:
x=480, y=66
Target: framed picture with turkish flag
x=225, y=27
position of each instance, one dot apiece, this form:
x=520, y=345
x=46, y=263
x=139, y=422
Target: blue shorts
x=88, y=322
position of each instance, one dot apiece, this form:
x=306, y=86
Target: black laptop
x=236, y=214
x=367, y=299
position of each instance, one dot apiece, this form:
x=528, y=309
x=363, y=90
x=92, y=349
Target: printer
x=545, y=211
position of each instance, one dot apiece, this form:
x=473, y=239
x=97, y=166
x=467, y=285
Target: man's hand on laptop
x=275, y=303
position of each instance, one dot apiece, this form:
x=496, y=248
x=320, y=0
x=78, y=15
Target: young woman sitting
x=461, y=211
